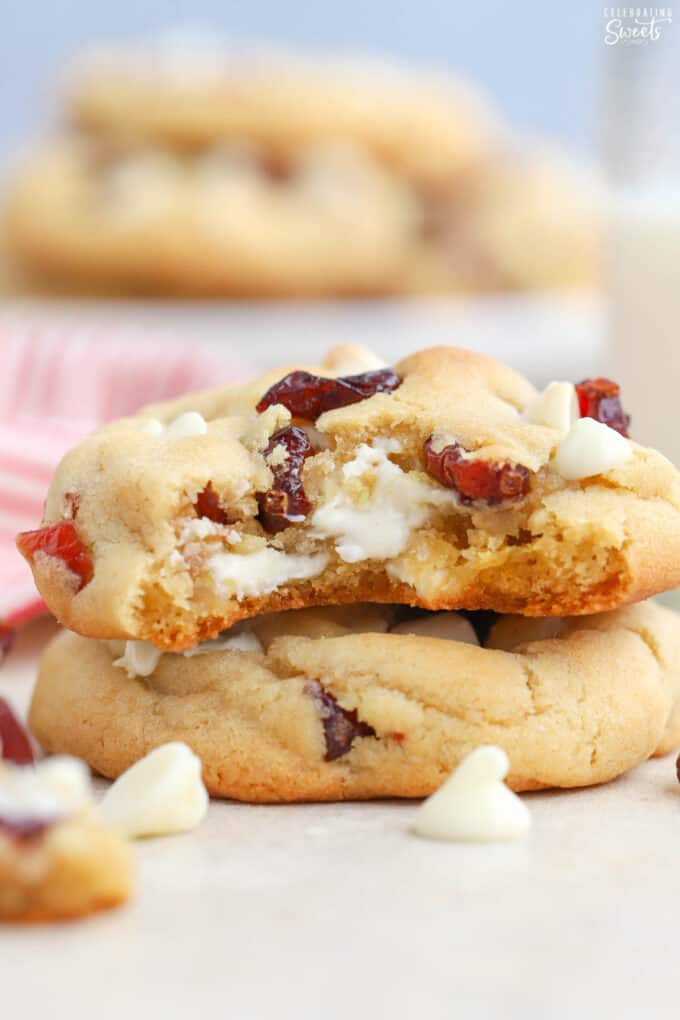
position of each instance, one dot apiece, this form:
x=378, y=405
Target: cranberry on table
x=488, y=481
x=601, y=399
x=308, y=396
x=62, y=541
x=287, y=497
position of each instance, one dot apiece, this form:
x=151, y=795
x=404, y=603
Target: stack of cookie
x=335, y=583
x=203, y=172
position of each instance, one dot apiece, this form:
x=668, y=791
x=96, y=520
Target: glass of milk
x=642, y=159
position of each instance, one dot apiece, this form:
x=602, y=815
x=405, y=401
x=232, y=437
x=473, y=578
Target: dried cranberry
x=7, y=634
x=208, y=505
x=600, y=399
x=307, y=396
x=15, y=744
x=62, y=541
x=340, y=727
x=489, y=481
x=677, y=767
x=287, y=498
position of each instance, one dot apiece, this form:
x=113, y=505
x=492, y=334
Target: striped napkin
x=55, y=387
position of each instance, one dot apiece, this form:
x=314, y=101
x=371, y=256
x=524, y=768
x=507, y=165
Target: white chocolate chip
x=53, y=790
x=153, y=426
x=191, y=423
x=556, y=407
x=69, y=779
x=590, y=448
x=379, y=526
x=140, y=658
x=246, y=641
x=474, y=804
x=449, y=626
x=250, y=575
x=161, y=794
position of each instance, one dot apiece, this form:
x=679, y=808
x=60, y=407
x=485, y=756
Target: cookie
x=427, y=127
x=227, y=221
x=261, y=175
x=325, y=712
x=453, y=486
x=528, y=221
x=57, y=860
x=232, y=220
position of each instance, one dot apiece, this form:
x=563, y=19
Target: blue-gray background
x=540, y=61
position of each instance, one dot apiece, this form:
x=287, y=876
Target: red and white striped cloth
x=55, y=387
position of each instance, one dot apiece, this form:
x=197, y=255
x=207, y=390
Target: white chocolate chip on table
x=474, y=804
x=160, y=795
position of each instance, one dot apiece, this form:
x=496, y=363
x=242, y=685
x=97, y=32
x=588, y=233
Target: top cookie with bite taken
x=444, y=482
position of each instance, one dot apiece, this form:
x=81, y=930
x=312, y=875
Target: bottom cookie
x=343, y=703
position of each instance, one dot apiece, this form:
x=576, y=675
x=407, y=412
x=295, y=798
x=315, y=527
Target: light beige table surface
x=338, y=911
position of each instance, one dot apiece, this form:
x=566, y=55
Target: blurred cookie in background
x=193, y=94
x=216, y=222
x=202, y=171
x=528, y=220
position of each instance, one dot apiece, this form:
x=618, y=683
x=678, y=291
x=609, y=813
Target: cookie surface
x=327, y=713
x=170, y=527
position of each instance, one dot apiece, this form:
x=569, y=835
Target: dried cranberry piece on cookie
x=340, y=726
x=207, y=504
x=308, y=396
x=62, y=541
x=286, y=501
x=484, y=480
x=601, y=399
